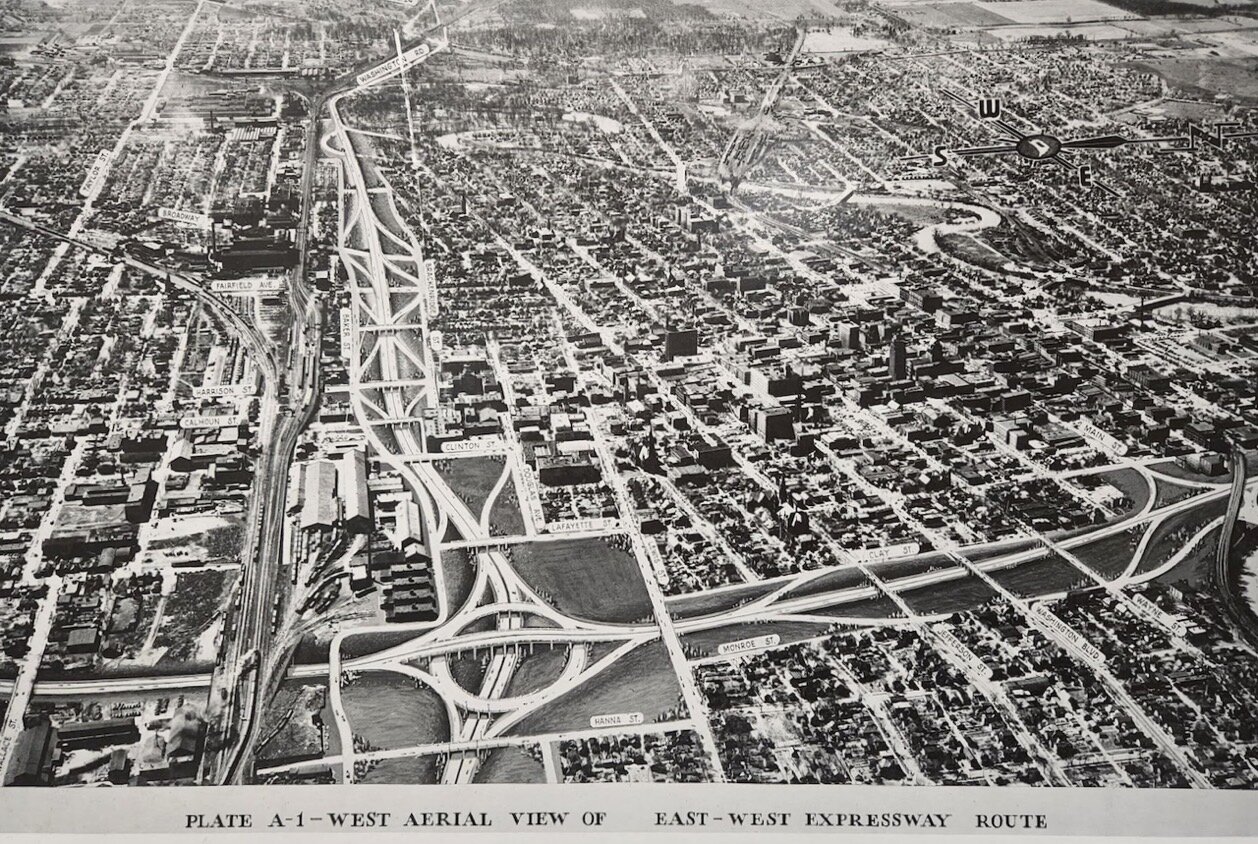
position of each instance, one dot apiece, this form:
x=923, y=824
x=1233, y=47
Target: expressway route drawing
x=495, y=392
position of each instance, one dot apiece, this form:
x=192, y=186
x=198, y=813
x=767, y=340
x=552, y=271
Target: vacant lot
x=389, y=710
x=833, y=581
x=504, y=516
x=1131, y=484
x=292, y=726
x=585, y=578
x=467, y=670
x=696, y=605
x=511, y=765
x=898, y=569
x=199, y=597
x=1110, y=556
x=950, y=596
x=458, y=574
x=471, y=479
x=537, y=671
x=641, y=681
x=971, y=250
x=1003, y=550
x=1171, y=493
x=362, y=644
x=208, y=537
x=879, y=607
x=410, y=770
x=1176, y=530
x=1045, y=576
x=132, y=621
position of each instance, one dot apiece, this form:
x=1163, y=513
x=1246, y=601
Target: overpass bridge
x=1228, y=564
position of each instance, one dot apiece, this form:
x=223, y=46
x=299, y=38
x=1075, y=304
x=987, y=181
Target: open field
x=965, y=593
x=505, y=518
x=1086, y=32
x=586, y=578
x=880, y=607
x=950, y=15
x=1238, y=45
x=1110, y=556
x=971, y=250
x=839, y=39
x=510, y=765
x=898, y=569
x=409, y=770
x=1171, y=493
x=695, y=605
x=1197, y=568
x=1210, y=4
x=537, y=671
x=467, y=670
x=1236, y=77
x=1131, y=484
x=369, y=643
x=754, y=10
x=292, y=726
x=190, y=613
x=1004, y=550
x=1043, y=576
x=598, y=650
x=829, y=582
x=209, y=537
x=1055, y=11
x=458, y=572
x=471, y=478
x=131, y=623
x=76, y=516
x=641, y=681
x=388, y=711
x=1174, y=531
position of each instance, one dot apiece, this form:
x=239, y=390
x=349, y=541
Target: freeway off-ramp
x=765, y=608
x=391, y=290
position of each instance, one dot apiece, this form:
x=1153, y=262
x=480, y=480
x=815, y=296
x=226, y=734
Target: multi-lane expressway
x=404, y=384
x=394, y=397
x=775, y=603
x=381, y=400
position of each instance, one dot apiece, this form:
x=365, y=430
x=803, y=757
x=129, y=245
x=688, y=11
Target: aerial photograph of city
x=629, y=391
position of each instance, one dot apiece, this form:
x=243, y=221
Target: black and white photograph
x=632, y=396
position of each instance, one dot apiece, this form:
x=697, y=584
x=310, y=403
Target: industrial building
x=320, y=508
x=351, y=484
